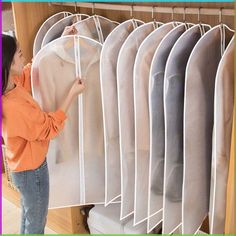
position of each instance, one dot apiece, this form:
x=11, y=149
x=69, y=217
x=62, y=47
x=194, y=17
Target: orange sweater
x=26, y=128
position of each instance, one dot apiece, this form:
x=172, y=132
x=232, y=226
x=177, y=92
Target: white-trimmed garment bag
x=157, y=126
x=125, y=65
x=57, y=29
x=45, y=27
x=95, y=27
x=142, y=132
x=223, y=118
x=53, y=72
x=108, y=76
x=198, y=125
x=174, y=81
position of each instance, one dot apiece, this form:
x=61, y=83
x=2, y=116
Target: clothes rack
x=136, y=8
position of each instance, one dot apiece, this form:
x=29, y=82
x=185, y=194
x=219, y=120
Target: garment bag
x=53, y=72
x=57, y=29
x=174, y=80
x=223, y=117
x=198, y=125
x=95, y=27
x=157, y=127
x=45, y=27
x=108, y=65
x=125, y=65
x=142, y=133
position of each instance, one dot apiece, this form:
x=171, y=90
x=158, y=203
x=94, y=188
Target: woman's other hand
x=69, y=30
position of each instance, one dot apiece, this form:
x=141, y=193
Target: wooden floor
x=11, y=219
x=11, y=212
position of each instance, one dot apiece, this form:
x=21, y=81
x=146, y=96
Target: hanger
x=184, y=19
x=75, y=7
x=172, y=17
x=222, y=30
x=132, y=11
x=93, y=8
x=201, y=27
x=155, y=23
x=153, y=11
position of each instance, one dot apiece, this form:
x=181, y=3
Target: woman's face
x=17, y=63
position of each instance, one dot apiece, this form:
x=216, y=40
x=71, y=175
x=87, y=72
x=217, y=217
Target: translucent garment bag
x=125, y=65
x=174, y=81
x=142, y=133
x=54, y=70
x=45, y=27
x=108, y=76
x=223, y=118
x=95, y=27
x=157, y=126
x=57, y=29
x=198, y=125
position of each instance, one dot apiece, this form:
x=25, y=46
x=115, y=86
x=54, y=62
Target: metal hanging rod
x=169, y=10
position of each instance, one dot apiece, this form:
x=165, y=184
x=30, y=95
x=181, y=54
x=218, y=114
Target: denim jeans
x=34, y=189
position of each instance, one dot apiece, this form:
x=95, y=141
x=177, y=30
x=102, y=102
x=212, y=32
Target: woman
x=26, y=133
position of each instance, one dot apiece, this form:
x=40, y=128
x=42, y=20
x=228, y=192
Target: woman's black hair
x=9, y=47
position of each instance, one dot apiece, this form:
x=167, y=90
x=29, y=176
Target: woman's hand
x=78, y=87
x=69, y=30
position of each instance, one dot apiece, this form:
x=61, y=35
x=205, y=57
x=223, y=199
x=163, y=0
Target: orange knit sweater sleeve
x=31, y=123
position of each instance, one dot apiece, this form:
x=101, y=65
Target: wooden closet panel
x=230, y=224
x=28, y=17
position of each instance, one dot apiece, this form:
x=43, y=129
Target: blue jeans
x=34, y=188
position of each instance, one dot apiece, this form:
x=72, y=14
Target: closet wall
x=28, y=17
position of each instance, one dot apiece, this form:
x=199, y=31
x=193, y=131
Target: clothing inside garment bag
x=142, y=133
x=157, y=126
x=53, y=72
x=125, y=65
x=223, y=118
x=108, y=76
x=198, y=125
x=45, y=27
x=174, y=81
x=95, y=27
x=57, y=29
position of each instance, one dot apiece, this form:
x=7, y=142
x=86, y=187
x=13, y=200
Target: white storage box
x=106, y=220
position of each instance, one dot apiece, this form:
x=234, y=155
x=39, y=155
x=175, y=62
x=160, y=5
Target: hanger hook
x=199, y=15
x=75, y=7
x=153, y=10
x=184, y=15
x=220, y=15
x=172, y=13
x=93, y=8
x=132, y=11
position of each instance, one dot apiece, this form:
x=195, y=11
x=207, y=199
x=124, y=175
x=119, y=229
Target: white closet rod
x=136, y=8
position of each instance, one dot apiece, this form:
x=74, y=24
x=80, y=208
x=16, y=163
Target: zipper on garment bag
x=80, y=131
